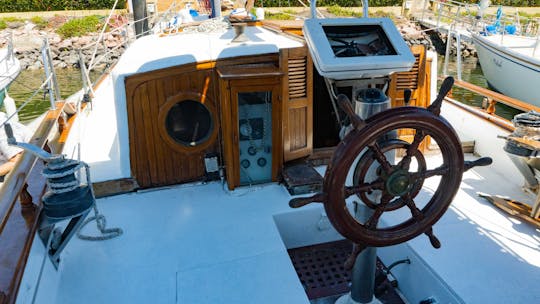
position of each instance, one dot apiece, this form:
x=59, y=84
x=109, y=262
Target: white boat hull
x=9, y=68
x=508, y=71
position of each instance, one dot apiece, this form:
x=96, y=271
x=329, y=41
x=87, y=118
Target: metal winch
x=67, y=198
x=524, y=156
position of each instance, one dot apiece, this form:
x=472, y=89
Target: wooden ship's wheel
x=363, y=168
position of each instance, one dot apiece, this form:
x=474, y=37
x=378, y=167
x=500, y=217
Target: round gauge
x=252, y=150
x=261, y=162
x=245, y=163
x=245, y=129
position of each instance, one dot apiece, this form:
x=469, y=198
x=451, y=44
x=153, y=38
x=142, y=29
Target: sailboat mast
x=140, y=17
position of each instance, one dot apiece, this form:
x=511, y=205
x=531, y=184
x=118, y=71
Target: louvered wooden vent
x=297, y=77
x=409, y=80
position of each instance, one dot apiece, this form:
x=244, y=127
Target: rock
x=29, y=26
x=23, y=43
x=15, y=24
x=85, y=40
x=71, y=59
x=55, y=54
x=54, y=39
x=62, y=65
x=35, y=66
x=65, y=45
x=110, y=44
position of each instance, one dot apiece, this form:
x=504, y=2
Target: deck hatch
x=320, y=268
x=322, y=274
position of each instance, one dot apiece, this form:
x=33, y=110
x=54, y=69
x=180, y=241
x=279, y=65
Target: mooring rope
x=101, y=221
x=218, y=25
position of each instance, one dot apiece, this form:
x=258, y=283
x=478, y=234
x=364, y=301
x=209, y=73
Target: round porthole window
x=189, y=123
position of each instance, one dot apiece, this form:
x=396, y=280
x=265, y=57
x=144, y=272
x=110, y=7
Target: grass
x=12, y=19
x=285, y=15
x=4, y=21
x=79, y=27
x=527, y=15
x=348, y=12
x=342, y=12
x=40, y=22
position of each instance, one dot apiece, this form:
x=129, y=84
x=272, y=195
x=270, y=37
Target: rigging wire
x=27, y=101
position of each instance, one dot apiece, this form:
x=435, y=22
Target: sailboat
x=510, y=59
x=10, y=67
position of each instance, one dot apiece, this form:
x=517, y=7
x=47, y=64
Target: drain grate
x=320, y=268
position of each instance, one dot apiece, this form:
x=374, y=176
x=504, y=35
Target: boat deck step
x=301, y=179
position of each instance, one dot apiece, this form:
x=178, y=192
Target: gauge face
x=261, y=162
x=245, y=163
x=252, y=150
x=245, y=129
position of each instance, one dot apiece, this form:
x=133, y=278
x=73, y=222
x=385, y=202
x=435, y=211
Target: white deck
x=203, y=244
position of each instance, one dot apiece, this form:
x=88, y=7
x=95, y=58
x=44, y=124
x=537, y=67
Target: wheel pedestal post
x=363, y=273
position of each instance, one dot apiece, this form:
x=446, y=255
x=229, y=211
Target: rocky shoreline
x=28, y=39
x=414, y=34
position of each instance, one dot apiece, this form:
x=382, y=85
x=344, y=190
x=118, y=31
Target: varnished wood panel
x=18, y=222
x=418, y=81
x=298, y=138
x=297, y=92
x=154, y=161
x=288, y=26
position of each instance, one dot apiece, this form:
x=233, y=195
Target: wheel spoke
x=412, y=149
x=373, y=220
x=442, y=170
x=367, y=187
x=416, y=213
x=380, y=157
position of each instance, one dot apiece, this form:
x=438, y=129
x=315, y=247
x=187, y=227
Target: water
x=28, y=81
x=472, y=72
x=70, y=81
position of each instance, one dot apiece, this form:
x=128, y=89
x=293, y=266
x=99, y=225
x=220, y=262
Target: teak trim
x=18, y=222
x=509, y=101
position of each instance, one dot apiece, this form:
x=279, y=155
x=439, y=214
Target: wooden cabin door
x=297, y=92
x=251, y=121
x=158, y=106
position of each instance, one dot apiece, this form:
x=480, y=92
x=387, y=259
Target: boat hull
x=509, y=72
x=10, y=67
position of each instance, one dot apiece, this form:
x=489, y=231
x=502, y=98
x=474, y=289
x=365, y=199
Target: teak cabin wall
x=154, y=161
